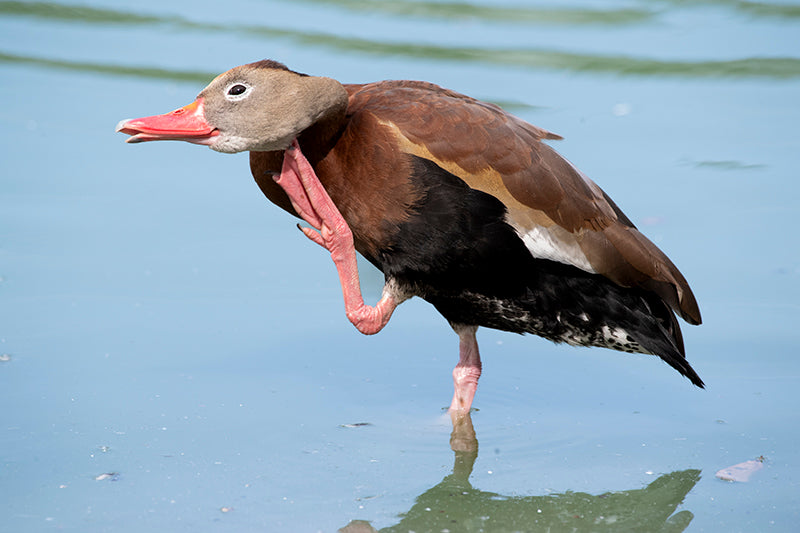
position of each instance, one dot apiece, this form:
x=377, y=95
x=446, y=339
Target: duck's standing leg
x=468, y=369
x=313, y=204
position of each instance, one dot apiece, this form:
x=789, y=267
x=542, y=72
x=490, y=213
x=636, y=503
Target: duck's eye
x=237, y=89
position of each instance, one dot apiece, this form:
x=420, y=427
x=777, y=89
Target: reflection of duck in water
x=454, y=505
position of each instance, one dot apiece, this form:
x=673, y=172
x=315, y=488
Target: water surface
x=162, y=323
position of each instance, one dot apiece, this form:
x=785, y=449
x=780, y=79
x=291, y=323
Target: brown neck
x=319, y=138
x=315, y=142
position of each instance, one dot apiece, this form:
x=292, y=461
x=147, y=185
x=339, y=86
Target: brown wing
x=560, y=213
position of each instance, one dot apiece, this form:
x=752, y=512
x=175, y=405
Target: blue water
x=162, y=323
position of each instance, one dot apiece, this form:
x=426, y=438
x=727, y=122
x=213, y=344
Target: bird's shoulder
x=485, y=146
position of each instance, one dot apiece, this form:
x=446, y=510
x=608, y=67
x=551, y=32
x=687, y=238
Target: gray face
x=264, y=109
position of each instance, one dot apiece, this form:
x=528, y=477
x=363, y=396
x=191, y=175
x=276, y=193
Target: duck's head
x=260, y=106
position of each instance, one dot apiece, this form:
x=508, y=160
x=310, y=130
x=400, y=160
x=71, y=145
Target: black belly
x=458, y=252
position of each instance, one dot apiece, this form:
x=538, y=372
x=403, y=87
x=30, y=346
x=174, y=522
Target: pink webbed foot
x=312, y=203
x=467, y=371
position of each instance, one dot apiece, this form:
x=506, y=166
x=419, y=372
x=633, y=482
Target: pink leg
x=467, y=371
x=313, y=204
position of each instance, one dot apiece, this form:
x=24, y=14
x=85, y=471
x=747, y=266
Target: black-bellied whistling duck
x=454, y=200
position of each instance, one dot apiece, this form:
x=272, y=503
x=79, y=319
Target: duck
x=454, y=200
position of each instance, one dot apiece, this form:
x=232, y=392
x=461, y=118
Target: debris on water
x=113, y=476
x=4, y=358
x=741, y=472
x=355, y=425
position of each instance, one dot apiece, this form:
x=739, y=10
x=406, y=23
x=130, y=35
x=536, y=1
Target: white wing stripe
x=544, y=243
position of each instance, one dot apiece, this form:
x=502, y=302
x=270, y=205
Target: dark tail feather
x=674, y=359
x=669, y=344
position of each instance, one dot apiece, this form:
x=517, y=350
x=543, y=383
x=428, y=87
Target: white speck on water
x=621, y=109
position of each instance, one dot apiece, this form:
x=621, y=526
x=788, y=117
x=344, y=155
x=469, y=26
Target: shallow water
x=162, y=323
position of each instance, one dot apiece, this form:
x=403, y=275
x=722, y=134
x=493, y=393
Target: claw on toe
x=312, y=235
